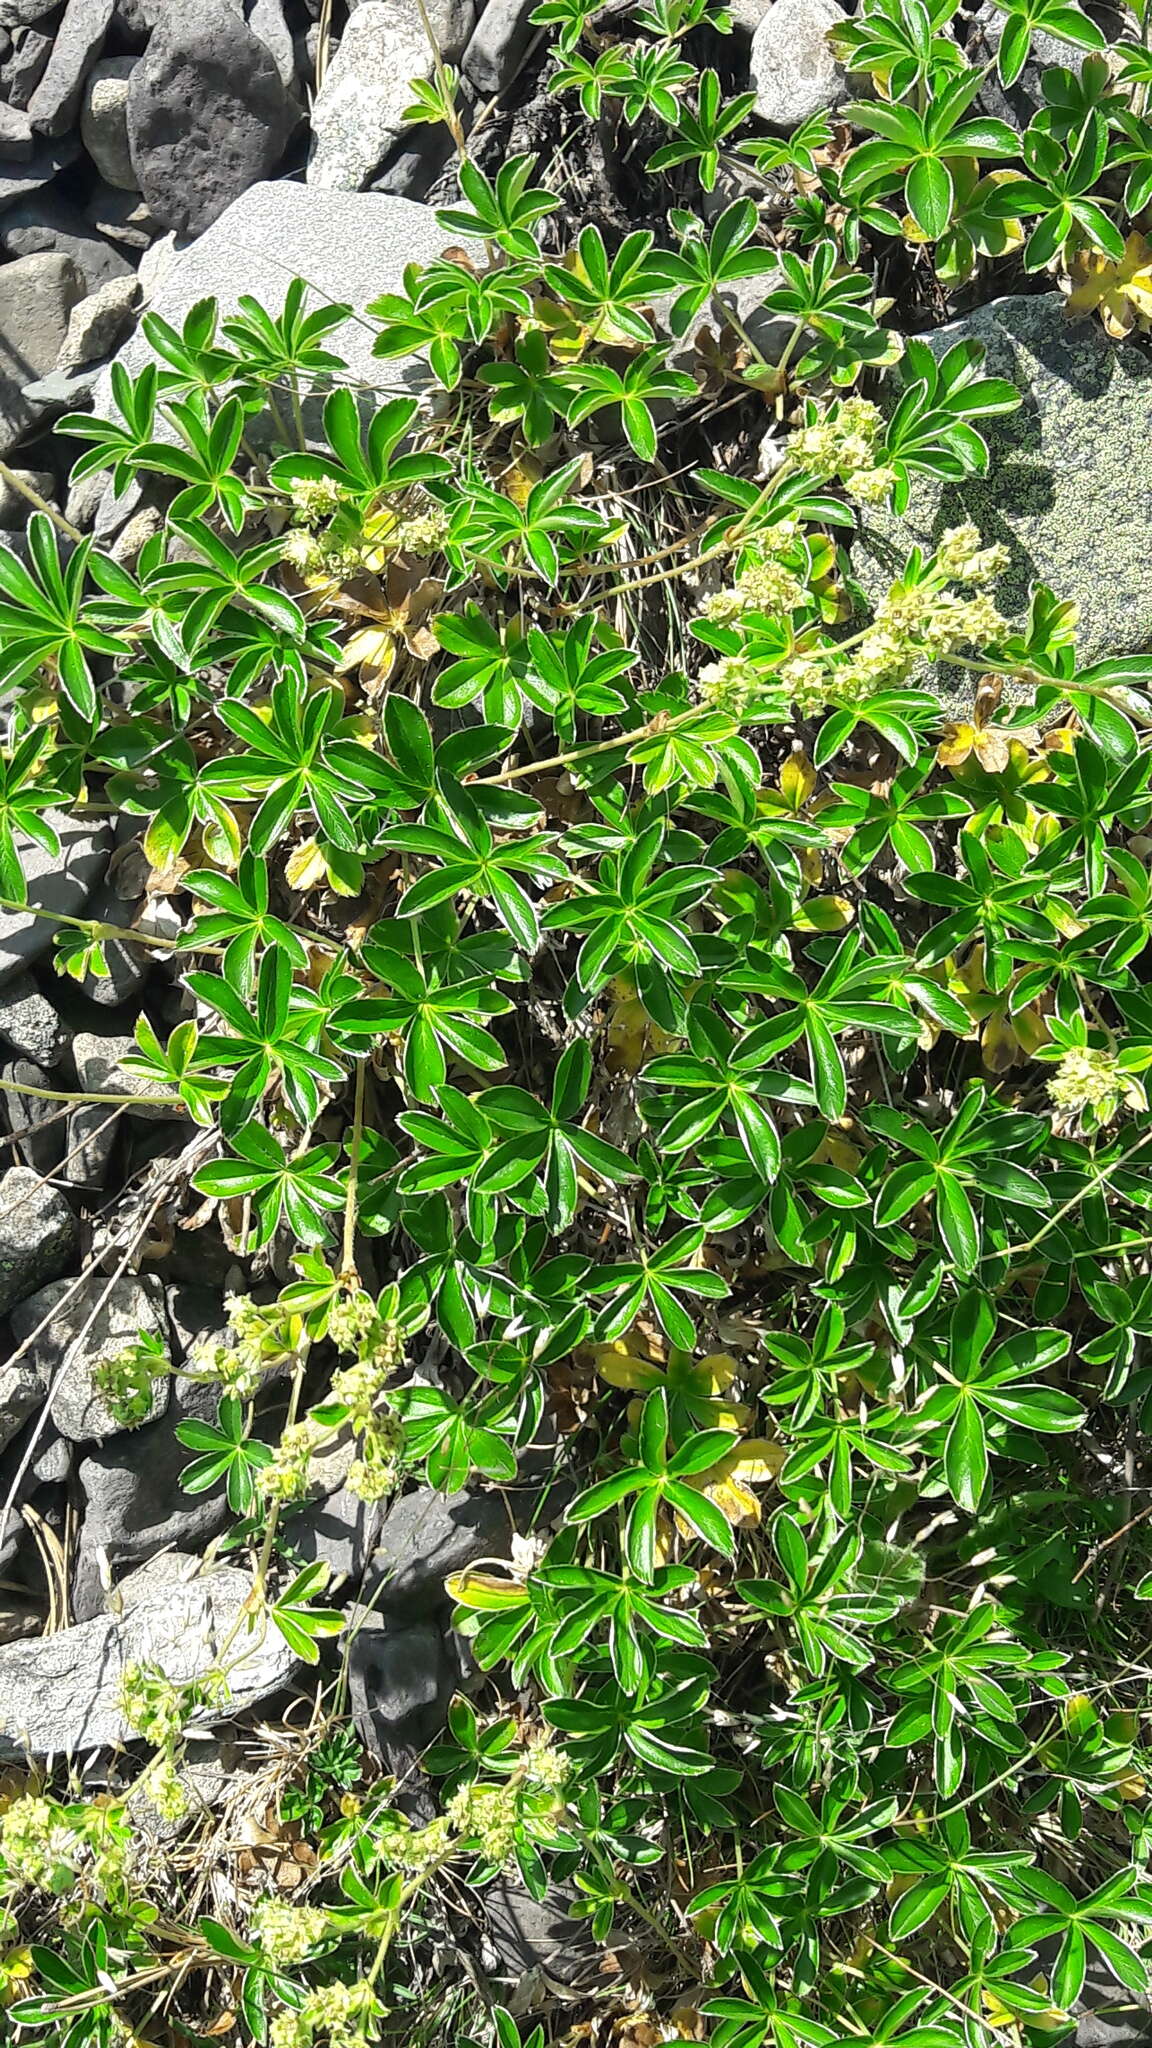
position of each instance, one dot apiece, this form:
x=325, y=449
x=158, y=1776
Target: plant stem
x=576, y=754
x=26, y=490
x=348, y=1271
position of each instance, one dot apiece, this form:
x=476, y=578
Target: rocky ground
x=152, y=152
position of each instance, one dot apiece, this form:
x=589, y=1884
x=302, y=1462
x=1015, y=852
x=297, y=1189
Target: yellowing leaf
x=729, y=1482
x=956, y=744
x=483, y=1590
x=797, y=780
x=305, y=867
x=620, y=1368
x=1121, y=293
x=632, y=1038
x=824, y=914
x=373, y=648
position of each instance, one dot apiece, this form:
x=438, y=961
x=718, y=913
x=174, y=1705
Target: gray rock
x=411, y=172
x=793, y=69
x=20, y=13
x=37, y=294
x=92, y=1133
x=45, y=222
x=125, y=550
x=39, y=1236
x=104, y=120
x=15, y=507
x=21, y=1393
x=1018, y=103
x=121, y=215
x=84, y=500
x=87, y=1330
x=539, y=1935
x=1061, y=493
x=25, y=67
x=52, y=1464
x=61, y=1693
x=15, y=134
x=28, y=1023
x=266, y=20
x=747, y=15
x=208, y=115
x=426, y=1536
x=358, y=112
x=99, y=1065
x=157, y=261
x=62, y=391
x=18, y=182
x=99, y=323
x=499, y=44
x=56, y=882
x=131, y=25
x=135, y=1505
x=78, y=42
x=38, y=1125
x=350, y=245
x=339, y=1531
x=195, y=1315
x=451, y=22
x=400, y=1682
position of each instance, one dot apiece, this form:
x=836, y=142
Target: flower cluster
x=287, y=1934
x=764, y=581
x=159, y=1708
x=425, y=531
x=412, y=1849
x=916, y=621
x=262, y=1337
x=546, y=1768
x=734, y=684
x=39, y=1846
x=1088, y=1079
x=360, y=1390
x=962, y=558
x=163, y=1788
x=125, y=1381
x=314, y=499
x=842, y=444
x=286, y=1477
x=487, y=1815
x=342, y=2015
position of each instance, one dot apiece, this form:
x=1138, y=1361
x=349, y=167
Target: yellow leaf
x=797, y=780
x=1000, y=1048
x=729, y=1482
x=372, y=648
x=716, y=1372
x=483, y=1590
x=305, y=868
x=1121, y=293
x=956, y=745
x=824, y=914
x=621, y=1369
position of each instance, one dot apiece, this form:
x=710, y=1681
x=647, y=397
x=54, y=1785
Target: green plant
x=739, y=1066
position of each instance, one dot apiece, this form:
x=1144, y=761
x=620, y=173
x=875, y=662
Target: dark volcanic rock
x=36, y=1122
x=79, y=40
x=43, y=223
x=207, y=115
x=61, y=881
x=39, y=1236
x=426, y=1536
x=134, y=1505
x=25, y=66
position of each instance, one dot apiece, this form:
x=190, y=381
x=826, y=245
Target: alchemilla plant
x=732, y=1065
